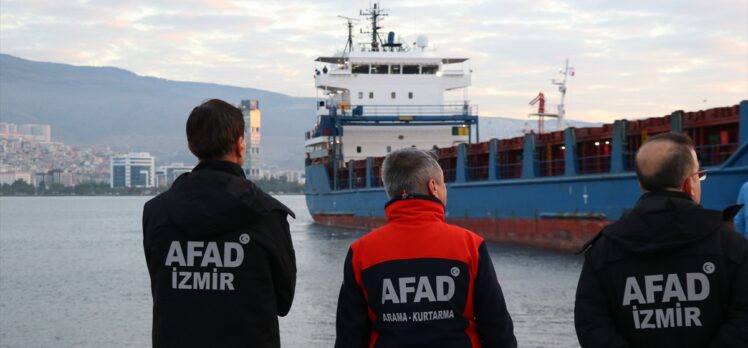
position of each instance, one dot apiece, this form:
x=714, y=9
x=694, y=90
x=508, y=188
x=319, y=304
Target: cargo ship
x=552, y=190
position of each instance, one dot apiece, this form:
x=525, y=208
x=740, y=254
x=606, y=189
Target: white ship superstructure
x=386, y=95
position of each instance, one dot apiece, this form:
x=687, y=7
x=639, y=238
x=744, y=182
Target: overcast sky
x=632, y=58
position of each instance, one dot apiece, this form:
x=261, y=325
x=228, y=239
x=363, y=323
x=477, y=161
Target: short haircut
x=674, y=166
x=408, y=170
x=213, y=127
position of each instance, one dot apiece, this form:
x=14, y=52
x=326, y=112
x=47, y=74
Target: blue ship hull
x=558, y=212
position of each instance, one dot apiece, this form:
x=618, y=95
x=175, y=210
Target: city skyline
x=632, y=59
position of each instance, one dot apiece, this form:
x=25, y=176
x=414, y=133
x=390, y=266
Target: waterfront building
x=165, y=175
x=135, y=169
x=54, y=177
x=8, y=177
x=251, y=111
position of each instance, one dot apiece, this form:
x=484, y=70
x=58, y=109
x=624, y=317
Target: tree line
x=21, y=188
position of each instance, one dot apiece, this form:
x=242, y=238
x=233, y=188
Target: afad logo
x=663, y=294
x=205, y=254
x=440, y=288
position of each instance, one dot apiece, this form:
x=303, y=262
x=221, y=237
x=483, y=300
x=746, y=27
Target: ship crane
x=561, y=115
x=540, y=100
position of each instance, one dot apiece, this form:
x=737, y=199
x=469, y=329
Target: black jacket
x=221, y=261
x=668, y=274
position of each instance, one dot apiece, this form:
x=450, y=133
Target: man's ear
x=189, y=146
x=240, y=147
x=687, y=188
x=432, y=187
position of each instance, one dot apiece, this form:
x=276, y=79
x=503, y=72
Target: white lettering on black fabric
x=662, y=295
x=221, y=257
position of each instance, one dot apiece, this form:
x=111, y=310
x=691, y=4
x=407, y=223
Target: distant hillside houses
x=29, y=131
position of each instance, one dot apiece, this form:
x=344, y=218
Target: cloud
x=633, y=58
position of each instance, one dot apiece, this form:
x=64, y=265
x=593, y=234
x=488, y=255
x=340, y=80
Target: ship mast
x=540, y=99
x=561, y=124
x=349, y=43
x=373, y=14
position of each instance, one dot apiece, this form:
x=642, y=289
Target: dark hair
x=675, y=165
x=409, y=170
x=213, y=127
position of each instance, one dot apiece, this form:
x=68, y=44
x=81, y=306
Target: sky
x=632, y=58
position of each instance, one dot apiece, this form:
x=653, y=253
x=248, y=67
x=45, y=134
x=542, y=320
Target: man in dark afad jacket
x=669, y=273
x=417, y=281
x=218, y=249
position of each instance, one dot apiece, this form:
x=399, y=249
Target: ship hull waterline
x=561, y=213
x=567, y=235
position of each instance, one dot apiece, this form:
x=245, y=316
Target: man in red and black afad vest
x=669, y=273
x=417, y=281
x=218, y=249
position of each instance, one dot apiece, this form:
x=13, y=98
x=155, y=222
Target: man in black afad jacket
x=218, y=249
x=669, y=273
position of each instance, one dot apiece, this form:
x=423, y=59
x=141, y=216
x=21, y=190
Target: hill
x=106, y=106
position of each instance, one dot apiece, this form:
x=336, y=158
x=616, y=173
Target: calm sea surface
x=72, y=273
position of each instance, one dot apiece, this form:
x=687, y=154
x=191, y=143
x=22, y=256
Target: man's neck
x=231, y=159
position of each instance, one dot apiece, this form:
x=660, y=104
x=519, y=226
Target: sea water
x=72, y=273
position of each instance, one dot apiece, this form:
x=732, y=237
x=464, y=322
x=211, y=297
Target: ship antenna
x=540, y=99
x=373, y=14
x=349, y=43
x=566, y=71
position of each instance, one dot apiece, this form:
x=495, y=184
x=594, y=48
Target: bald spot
x=652, y=155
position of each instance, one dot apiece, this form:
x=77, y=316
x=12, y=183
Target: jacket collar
x=414, y=208
x=221, y=166
x=665, y=194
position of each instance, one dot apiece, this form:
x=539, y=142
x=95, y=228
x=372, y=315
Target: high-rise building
x=136, y=169
x=251, y=111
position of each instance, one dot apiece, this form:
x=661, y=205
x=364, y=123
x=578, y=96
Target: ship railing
x=450, y=174
x=628, y=160
x=415, y=110
x=359, y=182
x=551, y=167
x=376, y=181
x=477, y=173
x=714, y=154
x=509, y=170
x=319, y=153
x=594, y=164
x=344, y=184
x=708, y=155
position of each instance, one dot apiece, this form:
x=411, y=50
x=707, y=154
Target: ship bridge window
x=393, y=95
x=429, y=69
x=410, y=95
x=360, y=95
x=380, y=69
x=360, y=68
x=395, y=69
x=358, y=149
x=371, y=95
x=411, y=69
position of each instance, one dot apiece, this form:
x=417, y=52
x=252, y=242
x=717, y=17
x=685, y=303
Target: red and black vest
x=418, y=281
